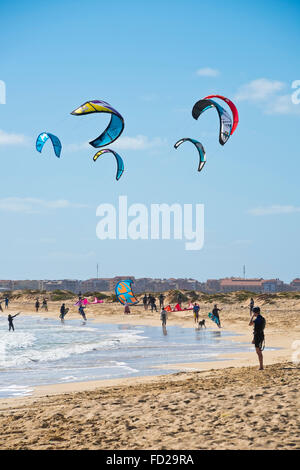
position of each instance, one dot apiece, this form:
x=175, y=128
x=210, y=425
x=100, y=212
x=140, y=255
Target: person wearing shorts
x=258, y=321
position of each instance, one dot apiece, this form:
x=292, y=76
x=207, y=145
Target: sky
x=151, y=62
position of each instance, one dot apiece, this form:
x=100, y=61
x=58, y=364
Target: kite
x=115, y=126
x=233, y=108
x=124, y=292
x=200, y=149
x=42, y=139
x=120, y=163
x=225, y=119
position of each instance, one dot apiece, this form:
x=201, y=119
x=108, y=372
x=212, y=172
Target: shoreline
x=145, y=318
x=226, y=404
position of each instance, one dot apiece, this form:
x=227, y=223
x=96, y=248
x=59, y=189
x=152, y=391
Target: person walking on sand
x=10, y=321
x=215, y=312
x=152, y=303
x=196, y=309
x=259, y=323
x=161, y=301
x=45, y=305
x=251, y=306
x=126, y=309
x=145, y=302
x=37, y=305
x=163, y=317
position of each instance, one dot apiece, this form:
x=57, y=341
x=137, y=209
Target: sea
x=43, y=351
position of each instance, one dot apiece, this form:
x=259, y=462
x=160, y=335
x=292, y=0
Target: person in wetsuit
x=10, y=321
x=81, y=311
x=215, y=312
x=62, y=312
x=259, y=323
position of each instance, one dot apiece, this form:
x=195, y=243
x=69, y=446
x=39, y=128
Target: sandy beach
x=209, y=405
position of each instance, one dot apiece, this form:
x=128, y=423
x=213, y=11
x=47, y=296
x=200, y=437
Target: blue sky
x=151, y=62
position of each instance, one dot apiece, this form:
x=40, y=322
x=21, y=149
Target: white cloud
x=266, y=94
x=7, y=138
x=258, y=90
x=140, y=142
x=274, y=210
x=207, y=72
x=29, y=205
x=282, y=105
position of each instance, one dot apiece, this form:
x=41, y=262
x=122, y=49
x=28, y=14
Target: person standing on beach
x=62, y=312
x=161, y=301
x=10, y=321
x=152, y=303
x=126, y=308
x=251, y=306
x=179, y=299
x=145, y=302
x=6, y=300
x=45, y=305
x=163, y=317
x=215, y=312
x=37, y=305
x=258, y=334
x=196, y=309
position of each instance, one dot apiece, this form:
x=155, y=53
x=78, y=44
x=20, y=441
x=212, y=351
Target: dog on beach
x=201, y=324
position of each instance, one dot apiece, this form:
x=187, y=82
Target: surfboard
x=214, y=319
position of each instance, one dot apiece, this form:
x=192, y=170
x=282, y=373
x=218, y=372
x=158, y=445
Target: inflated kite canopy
x=199, y=147
x=233, y=108
x=115, y=126
x=42, y=139
x=124, y=292
x=120, y=163
x=225, y=119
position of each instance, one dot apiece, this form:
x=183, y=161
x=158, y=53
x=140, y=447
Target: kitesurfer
x=258, y=334
x=10, y=321
x=215, y=312
x=81, y=311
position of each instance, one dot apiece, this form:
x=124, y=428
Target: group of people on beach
x=256, y=319
x=44, y=305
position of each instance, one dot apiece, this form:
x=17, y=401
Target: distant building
x=295, y=284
